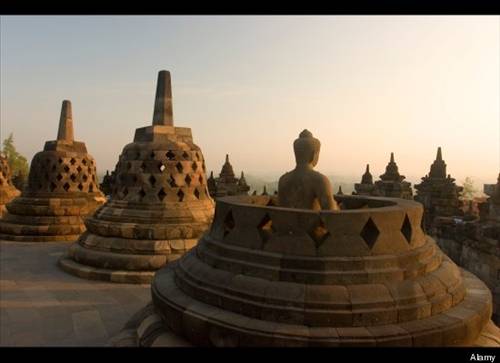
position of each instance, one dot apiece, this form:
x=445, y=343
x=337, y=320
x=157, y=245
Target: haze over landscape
x=247, y=85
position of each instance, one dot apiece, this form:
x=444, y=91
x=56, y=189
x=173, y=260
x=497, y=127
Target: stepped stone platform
x=265, y=275
x=62, y=190
x=7, y=190
x=159, y=207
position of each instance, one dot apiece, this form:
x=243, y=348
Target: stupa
x=7, y=190
x=227, y=183
x=304, y=273
x=107, y=182
x=391, y=183
x=438, y=192
x=62, y=190
x=366, y=187
x=159, y=207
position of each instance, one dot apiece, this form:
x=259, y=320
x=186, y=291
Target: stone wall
x=479, y=257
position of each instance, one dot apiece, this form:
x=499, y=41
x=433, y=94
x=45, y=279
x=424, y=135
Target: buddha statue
x=304, y=187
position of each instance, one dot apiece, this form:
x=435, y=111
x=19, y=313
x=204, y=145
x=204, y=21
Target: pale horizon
x=365, y=86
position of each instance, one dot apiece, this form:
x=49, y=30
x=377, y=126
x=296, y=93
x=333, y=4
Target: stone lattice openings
x=62, y=190
x=159, y=206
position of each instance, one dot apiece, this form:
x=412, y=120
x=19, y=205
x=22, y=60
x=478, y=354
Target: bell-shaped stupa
x=305, y=273
x=366, y=187
x=7, y=190
x=392, y=184
x=159, y=206
x=62, y=190
x=438, y=193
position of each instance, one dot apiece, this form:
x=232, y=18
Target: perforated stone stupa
x=62, y=190
x=392, y=184
x=227, y=183
x=7, y=190
x=268, y=274
x=159, y=207
x=366, y=187
x=438, y=192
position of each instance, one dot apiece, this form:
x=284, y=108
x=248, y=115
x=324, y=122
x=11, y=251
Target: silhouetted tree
x=18, y=163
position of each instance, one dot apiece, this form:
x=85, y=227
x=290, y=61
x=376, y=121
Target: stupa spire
x=65, y=131
x=163, y=114
x=392, y=157
x=439, y=157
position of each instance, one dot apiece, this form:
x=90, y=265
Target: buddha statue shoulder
x=303, y=187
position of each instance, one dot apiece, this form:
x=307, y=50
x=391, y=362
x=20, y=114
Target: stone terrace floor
x=41, y=305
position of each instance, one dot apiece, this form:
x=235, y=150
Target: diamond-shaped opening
x=406, y=229
x=73, y=177
x=194, y=165
x=319, y=233
x=180, y=194
x=89, y=170
x=170, y=155
x=79, y=169
x=185, y=155
x=80, y=186
x=91, y=188
x=152, y=180
x=91, y=162
x=143, y=166
x=172, y=182
x=142, y=193
x=228, y=223
x=196, y=193
x=66, y=186
x=66, y=168
x=84, y=161
x=85, y=177
x=134, y=179
x=161, y=167
x=370, y=233
x=265, y=228
x=152, y=155
x=187, y=179
x=60, y=161
x=72, y=161
x=179, y=167
x=52, y=187
x=162, y=194
x=200, y=179
x=59, y=177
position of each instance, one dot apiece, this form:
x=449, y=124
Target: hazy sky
x=364, y=85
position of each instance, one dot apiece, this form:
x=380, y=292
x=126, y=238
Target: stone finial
x=163, y=114
x=439, y=156
x=265, y=191
x=340, y=191
x=367, y=178
x=65, y=131
x=392, y=158
x=227, y=158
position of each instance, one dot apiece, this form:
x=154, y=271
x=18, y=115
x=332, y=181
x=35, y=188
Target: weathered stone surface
x=158, y=208
x=62, y=190
x=297, y=271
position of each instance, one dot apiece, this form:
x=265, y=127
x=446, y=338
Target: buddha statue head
x=306, y=149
